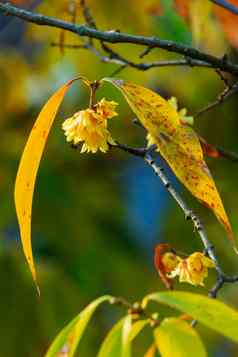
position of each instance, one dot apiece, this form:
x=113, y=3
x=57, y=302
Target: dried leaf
x=28, y=167
x=177, y=143
x=160, y=249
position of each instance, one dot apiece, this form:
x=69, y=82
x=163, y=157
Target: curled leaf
x=160, y=250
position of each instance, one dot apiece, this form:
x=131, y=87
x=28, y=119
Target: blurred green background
x=97, y=218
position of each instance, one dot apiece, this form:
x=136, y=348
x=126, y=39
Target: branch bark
x=118, y=37
x=226, y=5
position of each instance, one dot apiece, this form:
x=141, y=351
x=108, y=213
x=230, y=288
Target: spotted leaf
x=177, y=143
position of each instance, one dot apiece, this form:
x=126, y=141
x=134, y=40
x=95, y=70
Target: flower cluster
x=192, y=270
x=89, y=127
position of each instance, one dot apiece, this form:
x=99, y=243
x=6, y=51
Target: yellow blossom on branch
x=89, y=127
x=194, y=269
x=106, y=109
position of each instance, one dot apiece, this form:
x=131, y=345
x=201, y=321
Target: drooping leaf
x=175, y=337
x=28, y=167
x=69, y=338
x=177, y=143
x=212, y=313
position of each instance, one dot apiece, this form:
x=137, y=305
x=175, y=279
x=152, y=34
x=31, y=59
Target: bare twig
x=119, y=37
x=119, y=60
x=226, y=5
x=228, y=92
x=223, y=78
x=145, y=52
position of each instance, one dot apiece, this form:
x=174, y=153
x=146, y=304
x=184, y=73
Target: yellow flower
x=170, y=262
x=106, y=109
x=193, y=269
x=88, y=127
x=185, y=119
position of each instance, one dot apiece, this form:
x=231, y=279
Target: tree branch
x=145, y=154
x=226, y=5
x=117, y=37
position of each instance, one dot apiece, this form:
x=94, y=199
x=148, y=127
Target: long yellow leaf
x=177, y=143
x=28, y=167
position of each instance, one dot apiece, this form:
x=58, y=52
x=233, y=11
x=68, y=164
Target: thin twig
x=226, y=5
x=121, y=61
x=116, y=58
x=119, y=37
x=227, y=93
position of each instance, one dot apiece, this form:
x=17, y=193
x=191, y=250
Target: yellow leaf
x=28, y=167
x=175, y=337
x=177, y=143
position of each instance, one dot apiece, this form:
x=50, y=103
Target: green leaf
x=212, y=313
x=71, y=335
x=175, y=337
x=137, y=327
x=112, y=345
x=129, y=333
x=118, y=341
